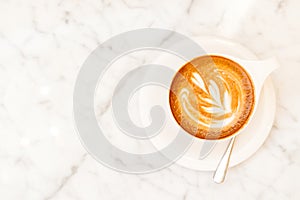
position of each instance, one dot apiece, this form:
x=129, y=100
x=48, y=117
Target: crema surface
x=211, y=97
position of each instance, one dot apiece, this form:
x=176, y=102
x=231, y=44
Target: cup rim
x=254, y=106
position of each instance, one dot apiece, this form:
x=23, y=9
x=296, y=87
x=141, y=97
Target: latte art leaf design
x=218, y=105
x=210, y=100
x=211, y=97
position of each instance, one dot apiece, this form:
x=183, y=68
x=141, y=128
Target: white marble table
x=44, y=43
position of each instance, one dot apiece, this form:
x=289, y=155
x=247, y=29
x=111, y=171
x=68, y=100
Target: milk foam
x=218, y=106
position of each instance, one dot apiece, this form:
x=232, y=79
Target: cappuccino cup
x=214, y=97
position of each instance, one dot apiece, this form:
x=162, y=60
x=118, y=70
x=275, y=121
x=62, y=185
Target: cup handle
x=260, y=70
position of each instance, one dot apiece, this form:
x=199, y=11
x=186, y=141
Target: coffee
x=211, y=97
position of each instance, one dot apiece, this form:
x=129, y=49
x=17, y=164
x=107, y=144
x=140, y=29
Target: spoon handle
x=220, y=173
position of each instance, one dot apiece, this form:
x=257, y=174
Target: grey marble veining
x=44, y=43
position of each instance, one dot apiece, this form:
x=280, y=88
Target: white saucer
x=247, y=143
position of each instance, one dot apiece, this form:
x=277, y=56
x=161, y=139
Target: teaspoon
x=220, y=173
